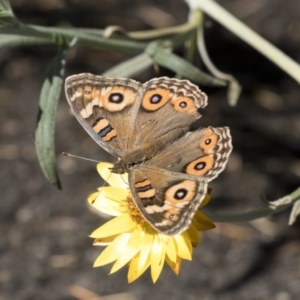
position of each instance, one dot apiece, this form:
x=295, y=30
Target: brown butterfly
x=147, y=127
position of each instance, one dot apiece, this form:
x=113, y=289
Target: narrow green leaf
x=130, y=67
x=6, y=13
x=234, y=88
x=182, y=67
x=222, y=16
x=86, y=37
x=294, y=213
x=44, y=135
x=154, y=33
x=5, y=5
x=5, y=9
x=7, y=41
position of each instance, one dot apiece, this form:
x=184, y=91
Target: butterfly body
x=145, y=152
x=147, y=127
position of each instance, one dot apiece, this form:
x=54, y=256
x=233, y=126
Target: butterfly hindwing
x=167, y=200
x=204, y=153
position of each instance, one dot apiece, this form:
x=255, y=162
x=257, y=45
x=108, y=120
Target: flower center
x=134, y=212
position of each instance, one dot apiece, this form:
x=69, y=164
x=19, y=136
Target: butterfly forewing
x=167, y=104
x=106, y=108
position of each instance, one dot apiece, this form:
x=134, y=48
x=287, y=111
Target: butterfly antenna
x=80, y=157
x=104, y=182
x=111, y=174
x=89, y=159
x=124, y=180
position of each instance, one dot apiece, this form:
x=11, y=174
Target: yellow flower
x=130, y=240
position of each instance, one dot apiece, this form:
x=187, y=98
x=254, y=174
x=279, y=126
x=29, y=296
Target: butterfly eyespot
x=156, y=98
x=180, y=194
x=86, y=92
x=207, y=142
x=116, y=98
x=200, y=166
x=171, y=216
x=183, y=104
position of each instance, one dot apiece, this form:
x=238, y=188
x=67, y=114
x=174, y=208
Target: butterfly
x=148, y=127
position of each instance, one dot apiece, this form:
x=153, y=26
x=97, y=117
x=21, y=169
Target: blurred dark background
x=45, y=251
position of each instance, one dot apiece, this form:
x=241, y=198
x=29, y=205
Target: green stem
x=223, y=17
x=86, y=37
x=271, y=209
x=197, y=17
x=153, y=34
x=234, y=88
x=132, y=42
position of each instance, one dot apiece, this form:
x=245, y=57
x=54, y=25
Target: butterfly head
x=120, y=167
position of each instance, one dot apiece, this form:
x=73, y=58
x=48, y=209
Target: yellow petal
x=115, y=180
x=205, y=200
x=104, y=166
x=171, y=250
x=104, y=241
x=145, y=249
x=113, y=251
x=115, y=194
x=132, y=248
x=202, y=222
x=92, y=197
x=120, y=224
x=157, y=257
x=184, y=247
x=135, y=271
x=175, y=266
x=110, y=200
x=193, y=233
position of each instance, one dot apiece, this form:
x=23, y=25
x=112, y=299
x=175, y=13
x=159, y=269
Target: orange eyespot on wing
x=87, y=93
x=115, y=99
x=209, y=141
x=200, y=166
x=172, y=215
x=180, y=193
x=155, y=99
x=177, y=197
x=184, y=104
